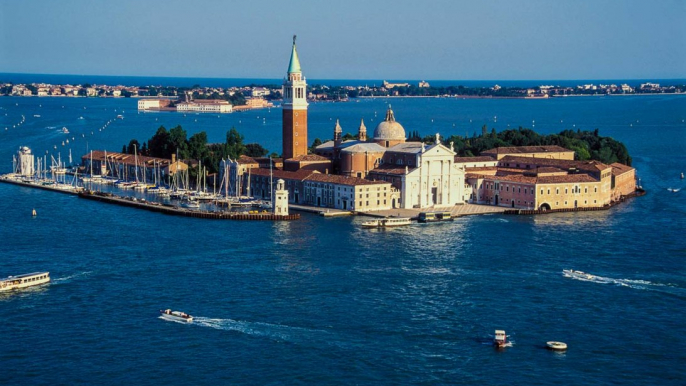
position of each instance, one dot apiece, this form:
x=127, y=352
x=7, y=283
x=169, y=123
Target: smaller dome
x=389, y=129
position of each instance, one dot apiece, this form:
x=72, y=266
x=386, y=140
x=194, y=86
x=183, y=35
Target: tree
x=255, y=150
x=178, y=141
x=160, y=144
x=234, y=144
x=133, y=147
x=197, y=146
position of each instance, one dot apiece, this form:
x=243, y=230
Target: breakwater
x=177, y=211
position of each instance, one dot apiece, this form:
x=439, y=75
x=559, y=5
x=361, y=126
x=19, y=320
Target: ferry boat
x=387, y=222
x=23, y=281
x=176, y=316
x=425, y=217
x=500, y=339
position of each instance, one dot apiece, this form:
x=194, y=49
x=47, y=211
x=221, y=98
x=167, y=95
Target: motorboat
x=425, y=217
x=65, y=130
x=23, y=281
x=556, y=346
x=500, y=339
x=577, y=274
x=176, y=316
x=387, y=222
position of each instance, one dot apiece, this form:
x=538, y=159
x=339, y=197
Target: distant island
x=242, y=96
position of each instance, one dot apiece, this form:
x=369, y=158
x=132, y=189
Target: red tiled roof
x=474, y=159
x=619, y=169
x=526, y=149
x=342, y=180
x=299, y=175
x=559, y=163
x=129, y=159
x=308, y=158
x=391, y=169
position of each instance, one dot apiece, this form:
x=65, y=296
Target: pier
x=61, y=188
x=176, y=211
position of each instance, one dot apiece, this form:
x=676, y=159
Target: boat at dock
x=23, y=281
x=426, y=217
x=387, y=222
x=176, y=316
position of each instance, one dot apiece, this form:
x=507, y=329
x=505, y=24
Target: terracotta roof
x=391, y=169
x=342, y=180
x=299, y=175
x=474, y=159
x=308, y=158
x=566, y=179
x=480, y=169
x=526, y=149
x=593, y=166
x=619, y=169
x=244, y=159
x=129, y=159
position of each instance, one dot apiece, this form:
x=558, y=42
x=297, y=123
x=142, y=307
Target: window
x=541, y=191
x=557, y=191
x=548, y=191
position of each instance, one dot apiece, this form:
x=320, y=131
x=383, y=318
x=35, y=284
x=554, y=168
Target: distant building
x=424, y=84
x=389, y=86
x=206, y=106
x=153, y=104
x=24, y=162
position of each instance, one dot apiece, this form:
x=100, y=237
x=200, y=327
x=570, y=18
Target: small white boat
x=387, y=222
x=65, y=130
x=556, y=346
x=23, y=281
x=176, y=316
x=500, y=339
x=577, y=274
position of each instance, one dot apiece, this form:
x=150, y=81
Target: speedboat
x=500, y=339
x=578, y=274
x=176, y=316
x=556, y=346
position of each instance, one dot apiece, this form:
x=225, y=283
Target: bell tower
x=294, y=109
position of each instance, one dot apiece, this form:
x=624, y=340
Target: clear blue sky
x=353, y=39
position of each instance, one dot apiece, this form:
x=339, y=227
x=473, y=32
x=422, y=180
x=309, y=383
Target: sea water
x=324, y=301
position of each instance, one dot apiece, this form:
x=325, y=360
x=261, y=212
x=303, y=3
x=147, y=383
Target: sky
x=353, y=39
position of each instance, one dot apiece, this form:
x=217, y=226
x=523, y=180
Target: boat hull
x=24, y=281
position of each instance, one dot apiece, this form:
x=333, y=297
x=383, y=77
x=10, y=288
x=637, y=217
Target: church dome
x=389, y=129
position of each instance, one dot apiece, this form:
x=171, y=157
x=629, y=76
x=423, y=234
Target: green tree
x=160, y=144
x=178, y=142
x=234, y=144
x=133, y=147
x=255, y=150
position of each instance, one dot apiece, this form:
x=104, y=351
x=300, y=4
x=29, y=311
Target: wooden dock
x=177, y=211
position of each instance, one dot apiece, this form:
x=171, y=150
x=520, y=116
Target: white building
x=152, y=104
x=24, y=162
x=206, y=106
x=280, y=200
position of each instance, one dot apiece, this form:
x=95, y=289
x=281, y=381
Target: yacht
x=556, y=346
x=425, y=217
x=387, y=222
x=176, y=316
x=23, y=281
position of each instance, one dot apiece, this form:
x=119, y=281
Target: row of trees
x=587, y=145
x=175, y=141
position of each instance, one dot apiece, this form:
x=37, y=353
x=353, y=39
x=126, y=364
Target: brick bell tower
x=294, y=109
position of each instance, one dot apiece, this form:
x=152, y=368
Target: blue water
x=239, y=82
x=322, y=301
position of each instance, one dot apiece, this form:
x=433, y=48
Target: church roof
x=294, y=65
x=407, y=147
x=361, y=147
x=389, y=129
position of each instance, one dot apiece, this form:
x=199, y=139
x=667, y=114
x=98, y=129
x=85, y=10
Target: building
x=24, y=162
x=131, y=167
x=423, y=84
x=206, y=106
x=294, y=111
x=153, y=104
x=545, y=183
x=309, y=187
x=389, y=86
x=553, y=152
x=421, y=175
x=280, y=201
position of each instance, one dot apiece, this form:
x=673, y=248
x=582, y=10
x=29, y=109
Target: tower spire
x=294, y=65
x=362, y=131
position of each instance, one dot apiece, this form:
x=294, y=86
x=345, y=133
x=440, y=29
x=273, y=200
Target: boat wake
x=636, y=284
x=67, y=279
x=277, y=332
